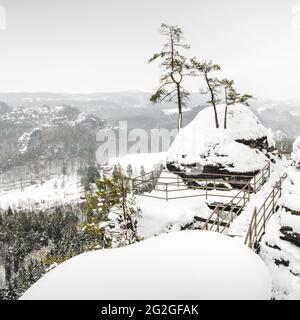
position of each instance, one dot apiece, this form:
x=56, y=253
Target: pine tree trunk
x=216, y=116
x=226, y=110
x=213, y=101
x=179, y=107
x=225, y=117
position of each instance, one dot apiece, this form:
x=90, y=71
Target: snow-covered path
x=240, y=225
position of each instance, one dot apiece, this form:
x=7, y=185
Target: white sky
x=103, y=45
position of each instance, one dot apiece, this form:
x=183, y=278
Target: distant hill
x=4, y=108
x=283, y=116
x=47, y=133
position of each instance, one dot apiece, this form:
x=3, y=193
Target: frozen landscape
x=190, y=208
x=142, y=160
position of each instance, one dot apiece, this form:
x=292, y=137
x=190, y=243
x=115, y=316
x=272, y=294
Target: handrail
x=261, y=216
x=231, y=205
x=149, y=181
x=216, y=211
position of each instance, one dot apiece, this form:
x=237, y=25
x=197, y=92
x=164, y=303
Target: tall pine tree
x=174, y=68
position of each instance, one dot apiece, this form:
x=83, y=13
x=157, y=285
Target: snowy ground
x=65, y=189
x=149, y=161
x=158, y=214
x=58, y=190
x=182, y=265
x=241, y=224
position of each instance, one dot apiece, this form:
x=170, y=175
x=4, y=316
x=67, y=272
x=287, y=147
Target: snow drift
x=280, y=246
x=180, y=265
x=232, y=149
x=296, y=151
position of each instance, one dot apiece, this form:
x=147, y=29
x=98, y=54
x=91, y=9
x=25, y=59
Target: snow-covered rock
x=181, y=265
x=280, y=246
x=242, y=147
x=30, y=141
x=296, y=151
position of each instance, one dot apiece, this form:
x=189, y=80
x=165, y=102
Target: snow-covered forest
x=189, y=189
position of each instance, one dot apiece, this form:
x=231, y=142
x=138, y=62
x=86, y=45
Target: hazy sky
x=98, y=45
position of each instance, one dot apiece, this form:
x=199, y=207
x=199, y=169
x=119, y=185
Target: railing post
x=254, y=186
x=264, y=217
x=280, y=187
x=218, y=220
x=269, y=170
x=167, y=197
x=206, y=189
x=153, y=182
x=249, y=190
x=255, y=224
x=206, y=226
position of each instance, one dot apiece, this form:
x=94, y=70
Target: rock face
x=30, y=141
x=243, y=148
x=280, y=246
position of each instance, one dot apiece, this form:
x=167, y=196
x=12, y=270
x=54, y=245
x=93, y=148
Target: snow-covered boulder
x=280, y=246
x=180, y=265
x=242, y=147
x=296, y=152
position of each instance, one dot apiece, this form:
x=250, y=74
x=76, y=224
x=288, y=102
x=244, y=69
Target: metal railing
x=222, y=216
x=260, y=178
x=260, y=217
x=145, y=184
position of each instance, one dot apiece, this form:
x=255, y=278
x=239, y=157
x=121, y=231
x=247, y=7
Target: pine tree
x=9, y=211
x=115, y=170
x=213, y=84
x=232, y=97
x=142, y=171
x=174, y=68
x=111, y=210
x=129, y=170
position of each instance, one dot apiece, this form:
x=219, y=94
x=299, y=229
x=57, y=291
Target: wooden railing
x=260, y=217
